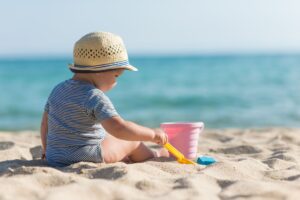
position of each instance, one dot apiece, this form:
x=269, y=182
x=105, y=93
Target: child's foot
x=161, y=153
x=126, y=160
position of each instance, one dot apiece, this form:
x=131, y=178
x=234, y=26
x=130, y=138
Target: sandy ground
x=252, y=164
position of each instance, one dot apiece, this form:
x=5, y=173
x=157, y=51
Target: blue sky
x=35, y=27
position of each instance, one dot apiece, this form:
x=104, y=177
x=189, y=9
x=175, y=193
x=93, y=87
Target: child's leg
x=115, y=150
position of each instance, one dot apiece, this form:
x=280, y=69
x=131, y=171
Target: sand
x=252, y=164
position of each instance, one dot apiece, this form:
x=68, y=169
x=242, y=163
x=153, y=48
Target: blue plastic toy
x=205, y=160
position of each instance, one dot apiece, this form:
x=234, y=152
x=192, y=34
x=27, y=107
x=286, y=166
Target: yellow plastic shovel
x=180, y=157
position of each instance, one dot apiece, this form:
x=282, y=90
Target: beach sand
x=252, y=164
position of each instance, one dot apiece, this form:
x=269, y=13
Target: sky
x=47, y=27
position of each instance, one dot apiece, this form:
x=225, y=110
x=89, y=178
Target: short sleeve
x=46, y=108
x=100, y=106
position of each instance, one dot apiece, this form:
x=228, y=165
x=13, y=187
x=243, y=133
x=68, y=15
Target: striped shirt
x=75, y=110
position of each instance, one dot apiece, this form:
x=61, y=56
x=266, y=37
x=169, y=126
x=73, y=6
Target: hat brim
x=131, y=68
x=87, y=69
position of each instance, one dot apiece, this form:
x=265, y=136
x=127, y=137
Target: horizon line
x=149, y=55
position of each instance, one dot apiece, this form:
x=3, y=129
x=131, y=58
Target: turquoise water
x=221, y=91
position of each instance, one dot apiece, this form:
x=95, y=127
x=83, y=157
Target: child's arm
x=127, y=130
x=44, y=131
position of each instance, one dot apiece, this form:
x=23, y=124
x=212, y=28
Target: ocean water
x=222, y=91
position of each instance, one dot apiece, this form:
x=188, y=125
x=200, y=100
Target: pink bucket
x=184, y=136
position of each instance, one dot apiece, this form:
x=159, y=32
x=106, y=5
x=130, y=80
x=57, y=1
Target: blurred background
x=227, y=63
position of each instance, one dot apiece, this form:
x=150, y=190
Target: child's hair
x=99, y=51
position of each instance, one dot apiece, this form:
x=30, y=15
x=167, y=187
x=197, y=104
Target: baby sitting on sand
x=80, y=123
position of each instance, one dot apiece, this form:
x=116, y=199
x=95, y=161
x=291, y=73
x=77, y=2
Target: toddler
x=80, y=122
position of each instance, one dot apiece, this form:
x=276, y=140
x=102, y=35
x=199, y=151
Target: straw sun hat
x=100, y=51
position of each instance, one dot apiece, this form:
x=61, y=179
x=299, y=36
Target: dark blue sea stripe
x=75, y=109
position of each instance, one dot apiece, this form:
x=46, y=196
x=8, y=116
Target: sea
x=223, y=91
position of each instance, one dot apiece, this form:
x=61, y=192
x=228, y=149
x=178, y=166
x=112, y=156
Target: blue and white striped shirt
x=75, y=109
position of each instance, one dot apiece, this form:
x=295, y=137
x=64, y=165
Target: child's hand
x=160, y=137
x=43, y=156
